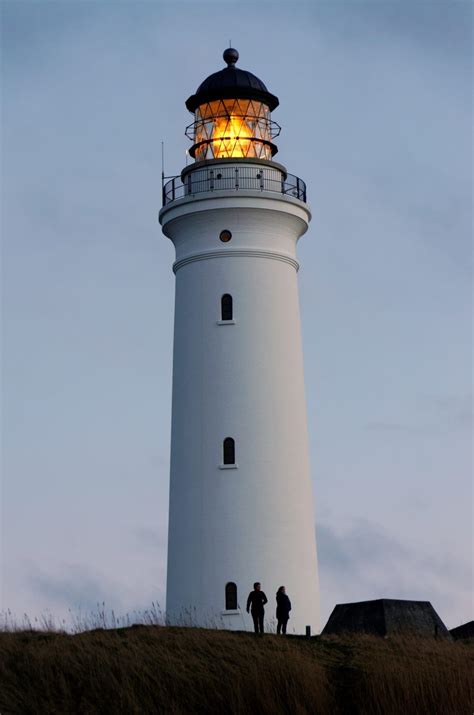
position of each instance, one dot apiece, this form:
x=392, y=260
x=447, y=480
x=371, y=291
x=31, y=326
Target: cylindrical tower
x=240, y=493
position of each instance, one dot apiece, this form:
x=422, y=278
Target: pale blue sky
x=375, y=106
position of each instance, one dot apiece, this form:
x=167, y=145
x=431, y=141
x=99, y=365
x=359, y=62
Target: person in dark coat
x=283, y=609
x=256, y=602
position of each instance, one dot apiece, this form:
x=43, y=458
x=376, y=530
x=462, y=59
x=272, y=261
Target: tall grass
x=405, y=674
x=158, y=669
x=80, y=621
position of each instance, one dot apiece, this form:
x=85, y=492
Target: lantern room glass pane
x=229, y=128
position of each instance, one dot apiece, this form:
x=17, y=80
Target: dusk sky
x=375, y=109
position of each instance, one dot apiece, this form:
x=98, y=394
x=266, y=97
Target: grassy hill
x=156, y=669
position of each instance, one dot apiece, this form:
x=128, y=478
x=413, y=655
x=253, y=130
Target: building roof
x=386, y=616
x=466, y=630
x=231, y=83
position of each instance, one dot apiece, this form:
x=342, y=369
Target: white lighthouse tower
x=241, y=507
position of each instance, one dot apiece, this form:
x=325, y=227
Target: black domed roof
x=232, y=83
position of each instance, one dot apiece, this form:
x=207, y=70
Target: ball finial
x=230, y=56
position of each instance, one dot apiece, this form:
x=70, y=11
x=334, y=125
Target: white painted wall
x=244, y=380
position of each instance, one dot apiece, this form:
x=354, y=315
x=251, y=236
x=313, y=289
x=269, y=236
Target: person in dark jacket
x=283, y=609
x=256, y=602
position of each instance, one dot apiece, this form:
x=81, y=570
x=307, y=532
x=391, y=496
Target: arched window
x=229, y=451
x=226, y=307
x=231, y=596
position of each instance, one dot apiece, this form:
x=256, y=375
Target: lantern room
x=232, y=115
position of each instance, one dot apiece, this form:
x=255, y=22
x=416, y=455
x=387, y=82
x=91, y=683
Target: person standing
x=256, y=602
x=283, y=609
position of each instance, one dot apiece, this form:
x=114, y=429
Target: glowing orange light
x=231, y=137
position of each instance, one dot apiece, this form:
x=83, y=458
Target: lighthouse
x=241, y=507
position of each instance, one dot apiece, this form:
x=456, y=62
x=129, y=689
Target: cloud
x=75, y=597
x=75, y=587
x=454, y=410
x=439, y=28
x=387, y=426
x=155, y=539
x=436, y=413
x=364, y=561
x=363, y=542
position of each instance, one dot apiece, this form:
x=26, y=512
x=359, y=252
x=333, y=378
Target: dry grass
x=390, y=676
x=156, y=669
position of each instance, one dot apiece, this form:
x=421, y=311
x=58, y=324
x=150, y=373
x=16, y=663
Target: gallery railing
x=232, y=179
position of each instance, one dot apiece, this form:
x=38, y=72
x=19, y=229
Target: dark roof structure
x=463, y=632
x=386, y=616
x=231, y=83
